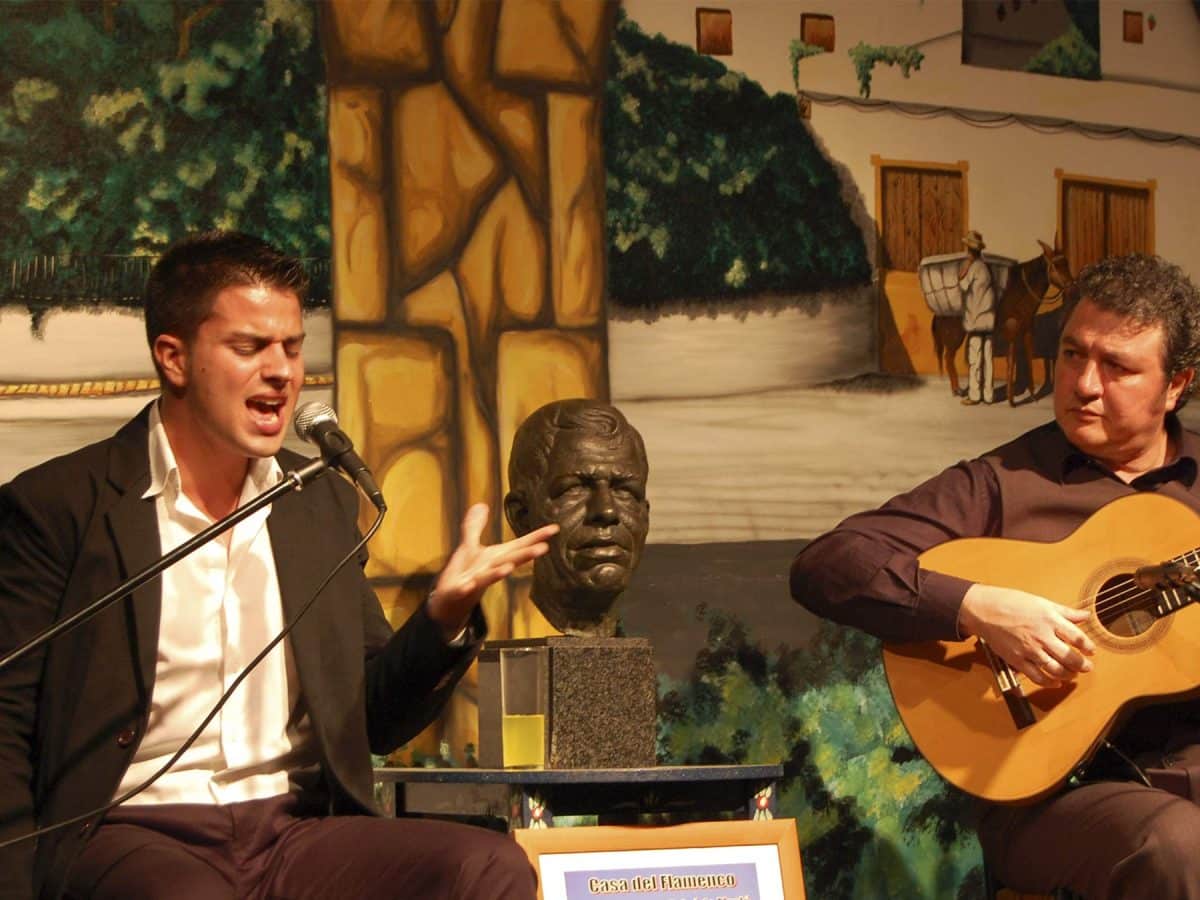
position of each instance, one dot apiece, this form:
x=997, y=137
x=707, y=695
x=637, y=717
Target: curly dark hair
x=187, y=278
x=1150, y=291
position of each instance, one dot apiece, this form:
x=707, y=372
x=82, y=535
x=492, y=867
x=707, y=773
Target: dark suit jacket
x=71, y=530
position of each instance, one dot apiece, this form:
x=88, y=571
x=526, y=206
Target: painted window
x=714, y=31
x=817, y=30
x=1049, y=37
x=1133, y=27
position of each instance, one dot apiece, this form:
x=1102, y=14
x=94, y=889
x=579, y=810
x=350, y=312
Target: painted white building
x=1110, y=165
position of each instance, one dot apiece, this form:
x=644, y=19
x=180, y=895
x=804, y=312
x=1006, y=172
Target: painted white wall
x=1012, y=191
x=82, y=346
x=1169, y=55
x=764, y=29
x=1011, y=183
x=828, y=337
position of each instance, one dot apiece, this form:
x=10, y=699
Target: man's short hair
x=1150, y=291
x=187, y=278
x=535, y=439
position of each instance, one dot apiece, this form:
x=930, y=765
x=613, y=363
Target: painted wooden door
x=922, y=213
x=1101, y=219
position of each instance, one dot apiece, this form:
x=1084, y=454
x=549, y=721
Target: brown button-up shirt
x=865, y=572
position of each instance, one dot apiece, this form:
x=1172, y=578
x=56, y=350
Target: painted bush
x=714, y=187
x=874, y=819
x=124, y=125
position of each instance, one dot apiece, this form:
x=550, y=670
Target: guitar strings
x=1127, y=596
x=1129, y=593
x=1130, y=598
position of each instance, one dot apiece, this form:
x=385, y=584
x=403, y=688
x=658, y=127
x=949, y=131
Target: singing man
x=274, y=798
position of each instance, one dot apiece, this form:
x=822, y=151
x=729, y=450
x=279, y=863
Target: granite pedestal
x=599, y=696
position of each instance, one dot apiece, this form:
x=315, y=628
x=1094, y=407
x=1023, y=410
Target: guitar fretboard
x=1171, y=600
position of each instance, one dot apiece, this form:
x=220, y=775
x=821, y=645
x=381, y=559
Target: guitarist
x=1127, y=359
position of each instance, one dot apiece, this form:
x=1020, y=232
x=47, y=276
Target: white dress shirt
x=220, y=607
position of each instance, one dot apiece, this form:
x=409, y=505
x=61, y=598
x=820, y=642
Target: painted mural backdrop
x=776, y=403
x=122, y=126
x=766, y=330
x=468, y=222
x=721, y=207
x=696, y=157
x=126, y=124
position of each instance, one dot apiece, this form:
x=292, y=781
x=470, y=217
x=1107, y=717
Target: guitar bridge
x=1010, y=689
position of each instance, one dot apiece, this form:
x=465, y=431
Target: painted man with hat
x=979, y=319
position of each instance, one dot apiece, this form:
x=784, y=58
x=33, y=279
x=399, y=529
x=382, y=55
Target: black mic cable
x=195, y=735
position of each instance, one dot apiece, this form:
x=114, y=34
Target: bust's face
x=595, y=489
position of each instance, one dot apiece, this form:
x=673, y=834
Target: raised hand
x=474, y=566
x=1039, y=638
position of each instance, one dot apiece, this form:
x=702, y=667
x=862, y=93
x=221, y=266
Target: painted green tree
x=1076, y=52
x=1070, y=55
x=126, y=123
x=874, y=819
x=714, y=188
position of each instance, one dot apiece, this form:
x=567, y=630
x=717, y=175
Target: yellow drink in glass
x=524, y=741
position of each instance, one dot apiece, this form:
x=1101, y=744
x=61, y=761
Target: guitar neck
x=1171, y=600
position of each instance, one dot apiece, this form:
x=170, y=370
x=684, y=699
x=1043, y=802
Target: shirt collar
x=1183, y=468
x=263, y=473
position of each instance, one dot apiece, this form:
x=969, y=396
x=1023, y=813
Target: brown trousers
x=1109, y=840
x=262, y=849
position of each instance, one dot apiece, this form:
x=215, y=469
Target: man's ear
x=1178, y=386
x=170, y=356
x=516, y=510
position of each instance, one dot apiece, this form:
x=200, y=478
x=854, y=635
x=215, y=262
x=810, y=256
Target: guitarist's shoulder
x=1044, y=447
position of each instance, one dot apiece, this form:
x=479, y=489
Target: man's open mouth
x=267, y=411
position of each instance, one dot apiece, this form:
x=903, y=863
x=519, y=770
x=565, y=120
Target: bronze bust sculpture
x=581, y=464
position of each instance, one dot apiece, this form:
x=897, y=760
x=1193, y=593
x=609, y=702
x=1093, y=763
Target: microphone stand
x=292, y=481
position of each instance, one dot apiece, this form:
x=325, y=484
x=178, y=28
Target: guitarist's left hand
x=1037, y=637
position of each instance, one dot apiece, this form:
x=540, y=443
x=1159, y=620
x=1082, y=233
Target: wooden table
x=527, y=798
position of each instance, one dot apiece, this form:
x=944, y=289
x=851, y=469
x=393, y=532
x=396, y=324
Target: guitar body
x=946, y=692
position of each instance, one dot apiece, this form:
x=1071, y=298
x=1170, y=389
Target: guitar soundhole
x=1124, y=609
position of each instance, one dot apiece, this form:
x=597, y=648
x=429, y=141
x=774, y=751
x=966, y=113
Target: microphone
x=1164, y=575
x=318, y=424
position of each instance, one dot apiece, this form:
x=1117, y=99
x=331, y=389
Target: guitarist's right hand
x=1037, y=637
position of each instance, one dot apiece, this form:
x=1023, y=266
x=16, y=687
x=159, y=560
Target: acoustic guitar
x=993, y=733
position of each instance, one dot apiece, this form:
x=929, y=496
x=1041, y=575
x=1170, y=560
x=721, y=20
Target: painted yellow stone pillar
x=469, y=247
